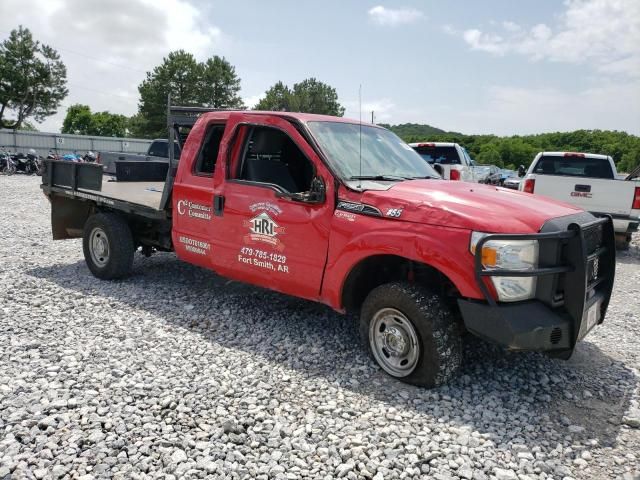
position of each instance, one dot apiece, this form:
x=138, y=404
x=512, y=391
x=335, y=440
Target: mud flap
x=68, y=217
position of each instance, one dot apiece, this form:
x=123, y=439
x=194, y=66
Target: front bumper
x=574, y=284
x=622, y=223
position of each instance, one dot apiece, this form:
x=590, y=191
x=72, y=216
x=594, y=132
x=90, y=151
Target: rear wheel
x=411, y=333
x=108, y=246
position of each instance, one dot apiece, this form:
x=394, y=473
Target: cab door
x=193, y=193
x=264, y=231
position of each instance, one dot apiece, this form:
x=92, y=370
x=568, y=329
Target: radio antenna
x=360, y=150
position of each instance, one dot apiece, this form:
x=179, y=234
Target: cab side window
x=271, y=157
x=208, y=156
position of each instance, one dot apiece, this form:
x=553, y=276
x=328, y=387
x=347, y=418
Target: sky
x=495, y=66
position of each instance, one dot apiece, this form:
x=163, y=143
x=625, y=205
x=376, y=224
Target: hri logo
x=262, y=228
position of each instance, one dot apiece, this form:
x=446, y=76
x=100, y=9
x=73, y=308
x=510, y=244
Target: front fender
x=359, y=237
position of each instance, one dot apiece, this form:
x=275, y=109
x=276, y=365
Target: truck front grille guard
x=481, y=272
x=589, y=247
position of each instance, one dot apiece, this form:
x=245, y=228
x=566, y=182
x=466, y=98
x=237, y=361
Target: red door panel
x=267, y=240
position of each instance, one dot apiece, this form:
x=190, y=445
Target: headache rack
x=180, y=121
x=576, y=269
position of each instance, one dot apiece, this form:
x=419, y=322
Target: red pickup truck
x=347, y=214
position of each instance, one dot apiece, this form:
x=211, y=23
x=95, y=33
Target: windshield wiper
x=389, y=178
x=421, y=178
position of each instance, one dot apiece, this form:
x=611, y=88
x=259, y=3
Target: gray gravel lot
x=178, y=373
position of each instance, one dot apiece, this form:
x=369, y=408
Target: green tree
x=137, y=126
x=28, y=127
x=313, y=96
x=219, y=84
x=276, y=99
x=489, y=155
x=179, y=74
x=106, y=124
x=32, y=79
x=81, y=121
x=213, y=83
x=77, y=120
x=309, y=96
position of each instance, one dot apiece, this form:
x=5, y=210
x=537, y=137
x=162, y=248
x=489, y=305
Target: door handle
x=218, y=205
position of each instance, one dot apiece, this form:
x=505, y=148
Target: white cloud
x=393, y=17
x=508, y=110
x=604, y=33
x=108, y=46
x=384, y=110
x=252, y=100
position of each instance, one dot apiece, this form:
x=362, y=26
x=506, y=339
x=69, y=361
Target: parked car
x=450, y=160
x=589, y=181
x=158, y=151
x=506, y=173
x=511, y=182
x=489, y=174
x=344, y=213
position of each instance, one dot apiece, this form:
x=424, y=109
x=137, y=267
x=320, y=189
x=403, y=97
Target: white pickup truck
x=588, y=181
x=450, y=160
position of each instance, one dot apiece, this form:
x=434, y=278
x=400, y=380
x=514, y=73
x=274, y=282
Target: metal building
x=60, y=143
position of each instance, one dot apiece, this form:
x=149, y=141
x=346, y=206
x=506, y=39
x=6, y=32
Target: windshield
x=383, y=153
x=438, y=154
x=574, y=167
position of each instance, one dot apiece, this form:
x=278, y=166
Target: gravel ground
x=177, y=373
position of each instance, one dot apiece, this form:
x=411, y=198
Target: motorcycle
x=7, y=165
x=90, y=157
x=36, y=163
x=23, y=165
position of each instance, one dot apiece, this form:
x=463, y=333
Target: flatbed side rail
x=83, y=182
x=72, y=175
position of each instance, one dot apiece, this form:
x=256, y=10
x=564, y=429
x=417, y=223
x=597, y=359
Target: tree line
x=33, y=84
x=510, y=152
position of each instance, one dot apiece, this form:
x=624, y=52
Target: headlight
x=517, y=255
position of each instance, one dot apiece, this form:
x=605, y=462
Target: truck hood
x=468, y=205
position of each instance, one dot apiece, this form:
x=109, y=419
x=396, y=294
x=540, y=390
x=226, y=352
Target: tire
x=422, y=344
x=623, y=241
x=108, y=246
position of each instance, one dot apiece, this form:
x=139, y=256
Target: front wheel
x=411, y=333
x=108, y=246
x=10, y=169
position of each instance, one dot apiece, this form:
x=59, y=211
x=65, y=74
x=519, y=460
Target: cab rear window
x=442, y=155
x=161, y=149
x=574, y=167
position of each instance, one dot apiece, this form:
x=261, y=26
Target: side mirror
x=522, y=171
x=316, y=193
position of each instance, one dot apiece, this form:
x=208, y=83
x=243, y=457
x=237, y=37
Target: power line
x=119, y=65
x=102, y=92
x=95, y=59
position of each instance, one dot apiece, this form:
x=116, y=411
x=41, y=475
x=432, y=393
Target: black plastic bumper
x=574, y=283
